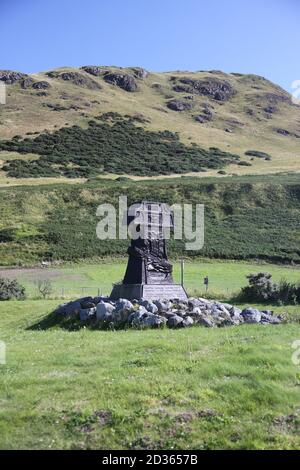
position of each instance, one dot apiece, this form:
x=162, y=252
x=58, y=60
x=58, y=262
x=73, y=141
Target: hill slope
x=245, y=218
x=232, y=113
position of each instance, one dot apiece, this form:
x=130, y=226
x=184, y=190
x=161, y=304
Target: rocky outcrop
x=92, y=70
x=10, y=77
x=27, y=82
x=42, y=85
x=220, y=90
x=207, y=115
x=180, y=105
x=139, y=72
x=125, y=81
x=76, y=78
x=287, y=133
x=105, y=313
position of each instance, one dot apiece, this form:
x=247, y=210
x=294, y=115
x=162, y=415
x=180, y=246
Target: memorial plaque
x=149, y=272
x=164, y=291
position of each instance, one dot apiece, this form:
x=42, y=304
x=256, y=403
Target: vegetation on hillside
x=118, y=147
x=243, y=220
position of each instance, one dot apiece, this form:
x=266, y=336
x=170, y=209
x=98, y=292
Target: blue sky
x=247, y=36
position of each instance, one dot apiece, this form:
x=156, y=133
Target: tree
x=44, y=287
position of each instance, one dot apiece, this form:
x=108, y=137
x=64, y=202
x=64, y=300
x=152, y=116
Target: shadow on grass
x=71, y=323
x=57, y=320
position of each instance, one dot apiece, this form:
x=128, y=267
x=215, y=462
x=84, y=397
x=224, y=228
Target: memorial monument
x=149, y=273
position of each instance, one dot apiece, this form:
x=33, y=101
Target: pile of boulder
x=106, y=313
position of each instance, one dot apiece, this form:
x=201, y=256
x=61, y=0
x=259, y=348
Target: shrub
x=11, y=289
x=261, y=289
x=256, y=153
x=111, y=144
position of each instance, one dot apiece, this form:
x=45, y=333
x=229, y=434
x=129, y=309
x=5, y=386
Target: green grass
x=225, y=278
x=163, y=389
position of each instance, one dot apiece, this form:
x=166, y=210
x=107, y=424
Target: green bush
x=256, y=153
x=261, y=288
x=110, y=145
x=11, y=289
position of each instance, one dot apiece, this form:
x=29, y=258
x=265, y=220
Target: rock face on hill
x=41, y=85
x=159, y=313
x=27, y=82
x=179, y=105
x=125, y=81
x=10, y=77
x=139, y=72
x=76, y=78
x=92, y=70
x=220, y=90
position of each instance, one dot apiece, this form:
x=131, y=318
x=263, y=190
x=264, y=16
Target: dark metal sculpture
x=148, y=262
x=148, y=273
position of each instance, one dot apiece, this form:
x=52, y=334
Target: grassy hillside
x=196, y=388
x=232, y=112
x=245, y=218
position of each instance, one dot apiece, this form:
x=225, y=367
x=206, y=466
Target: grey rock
x=92, y=70
x=125, y=81
x=180, y=105
x=42, y=85
x=143, y=310
x=153, y=321
x=26, y=83
x=135, y=317
x=206, y=321
x=84, y=301
x=251, y=315
x=150, y=306
x=187, y=321
x=194, y=303
x=87, y=313
x=139, y=72
x=162, y=305
x=76, y=78
x=196, y=311
x=10, y=77
x=174, y=321
x=123, y=303
x=101, y=298
x=269, y=318
x=87, y=304
x=121, y=316
x=235, y=312
x=220, y=90
x=104, y=311
x=73, y=308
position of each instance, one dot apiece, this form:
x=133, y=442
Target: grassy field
x=225, y=278
x=199, y=388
